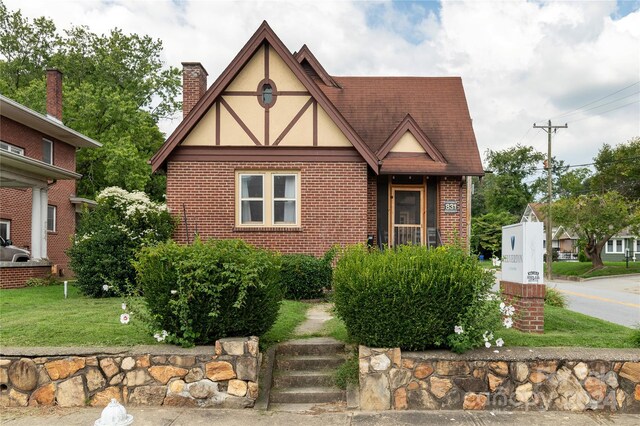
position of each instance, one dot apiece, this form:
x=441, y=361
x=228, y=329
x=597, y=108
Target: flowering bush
x=202, y=292
x=413, y=297
x=109, y=236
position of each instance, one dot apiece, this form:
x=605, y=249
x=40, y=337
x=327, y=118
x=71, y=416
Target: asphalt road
x=615, y=299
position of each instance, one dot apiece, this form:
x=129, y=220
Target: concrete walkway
x=160, y=416
x=317, y=315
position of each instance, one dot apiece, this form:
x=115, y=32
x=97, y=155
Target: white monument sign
x=522, y=253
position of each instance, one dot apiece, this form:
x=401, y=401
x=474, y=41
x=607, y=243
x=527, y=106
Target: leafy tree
x=507, y=189
x=486, y=232
x=618, y=169
x=565, y=182
x=116, y=89
x=596, y=218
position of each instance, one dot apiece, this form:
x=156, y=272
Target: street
x=615, y=299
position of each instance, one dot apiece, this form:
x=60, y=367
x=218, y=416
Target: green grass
x=567, y=328
x=581, y=269
x=487, y=264
x=41, y=316
x=291, y=314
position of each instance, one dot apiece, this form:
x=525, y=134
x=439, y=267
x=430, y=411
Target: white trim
x=268, y=199
x=274, y=199
x=241, y=199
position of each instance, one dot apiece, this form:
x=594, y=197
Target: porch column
x=44, y=208
x=36, y=223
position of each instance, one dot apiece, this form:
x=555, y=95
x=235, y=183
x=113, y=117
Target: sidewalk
x=160, y=416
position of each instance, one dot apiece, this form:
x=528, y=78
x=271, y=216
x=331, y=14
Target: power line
x=602, y=162
x=601, y=105
x=604, y=112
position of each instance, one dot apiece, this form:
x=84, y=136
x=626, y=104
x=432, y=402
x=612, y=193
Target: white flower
x=499, y=342
x=124, y=318
x=487, y=335
x=502, y=305
x=458, y=329
x=161, y=336
x=124, y=306
x=508, y=322
x=105, y=287
x=487, y=344
x=174, y=291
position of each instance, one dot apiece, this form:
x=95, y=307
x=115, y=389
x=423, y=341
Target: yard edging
x=220, y=376
x=565, y=379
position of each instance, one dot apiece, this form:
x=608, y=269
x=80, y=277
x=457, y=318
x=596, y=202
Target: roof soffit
x=264, y=34
x=408, y=124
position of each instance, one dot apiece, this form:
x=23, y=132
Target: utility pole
x=549, y=129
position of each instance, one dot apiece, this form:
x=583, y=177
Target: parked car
x=11, y=253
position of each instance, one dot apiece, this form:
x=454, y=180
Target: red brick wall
x=372, y=206
x=194, y=84
x=333, y=204
x=16, y=277
x=528, y=301
x=453, y=226
x=15, y=203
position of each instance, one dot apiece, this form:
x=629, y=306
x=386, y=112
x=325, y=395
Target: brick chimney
x=194, y=84
x=54, y=94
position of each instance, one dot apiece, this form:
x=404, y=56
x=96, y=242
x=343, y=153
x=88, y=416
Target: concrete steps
x=304, y=372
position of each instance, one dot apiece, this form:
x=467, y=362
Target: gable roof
x=437, y=104
x=408, y=124
x=305, y=57
x=264, y=34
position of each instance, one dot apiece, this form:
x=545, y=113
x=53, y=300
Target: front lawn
x=580, y=269
x=41, y=316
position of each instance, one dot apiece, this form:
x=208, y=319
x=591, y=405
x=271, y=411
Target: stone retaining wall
x=224, y=376
x=513, y=379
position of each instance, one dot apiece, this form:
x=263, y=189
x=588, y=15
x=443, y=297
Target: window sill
x=267, y=229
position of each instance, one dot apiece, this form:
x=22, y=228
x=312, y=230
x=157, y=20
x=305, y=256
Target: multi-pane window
x=51, y=218
x=11, y=148
x=268, y=199
x=615, y=245
x=47, y=151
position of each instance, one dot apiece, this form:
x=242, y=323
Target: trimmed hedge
x=304, y=276
x=205, y=291
x=412, y=297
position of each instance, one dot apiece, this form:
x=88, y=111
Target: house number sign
x=451, y=207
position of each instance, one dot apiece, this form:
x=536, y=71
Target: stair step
x=308, y=362
x=290, y=379
x=325, y=407
x=307, y=395
x=314, y=346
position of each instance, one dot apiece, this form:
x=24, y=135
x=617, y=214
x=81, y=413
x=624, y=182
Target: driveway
x=615, y=299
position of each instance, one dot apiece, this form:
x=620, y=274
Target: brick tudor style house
x=283, y=155
x=38, y=202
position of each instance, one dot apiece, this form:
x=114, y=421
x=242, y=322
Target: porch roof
x=20, y=171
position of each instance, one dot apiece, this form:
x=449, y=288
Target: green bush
x=304, y=276
x=109, y=236
x=412, y=297
x=553, y=297
x=205, y=291
x=42, y=282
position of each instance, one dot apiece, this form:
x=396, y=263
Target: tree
x=618, y=169
x=507, y=188
x=486, y=232
x=116, y=89
x=596, y=218
x=565, y=182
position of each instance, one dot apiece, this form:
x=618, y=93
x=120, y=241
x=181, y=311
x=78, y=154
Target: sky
x=521, y=62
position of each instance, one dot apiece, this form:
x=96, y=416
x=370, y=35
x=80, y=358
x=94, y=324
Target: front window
x=47, y=151
x=51, y=218
x=5, y=229
x=615, y=246
x=11, y=148
x=268, y=199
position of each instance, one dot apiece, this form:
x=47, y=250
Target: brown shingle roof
x=375, y=106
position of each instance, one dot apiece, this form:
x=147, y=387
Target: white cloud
x=520, y=61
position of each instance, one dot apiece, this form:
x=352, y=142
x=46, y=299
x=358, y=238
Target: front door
x=407, y=216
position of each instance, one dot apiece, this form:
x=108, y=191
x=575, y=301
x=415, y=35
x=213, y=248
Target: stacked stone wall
x=518, y=379
x=225, y=376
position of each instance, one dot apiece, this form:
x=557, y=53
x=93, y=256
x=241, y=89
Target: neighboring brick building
x=38, y=200
x=282, y=154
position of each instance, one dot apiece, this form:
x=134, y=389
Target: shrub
x=42, y=282
x=304, y=276
x=109, y=236
x=553, y=297
x=205, y=291
x=412, y=297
